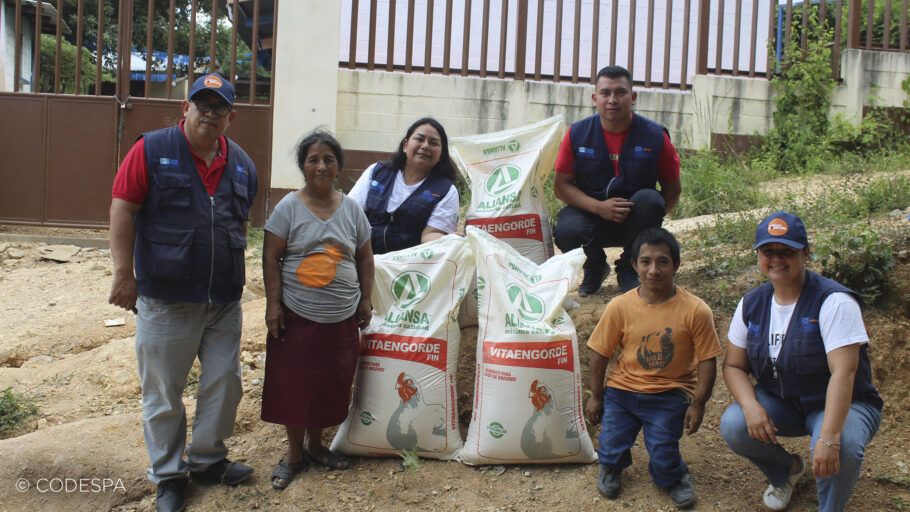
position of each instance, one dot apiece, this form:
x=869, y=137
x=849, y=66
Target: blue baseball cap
x=215, y=83
x=783, y=228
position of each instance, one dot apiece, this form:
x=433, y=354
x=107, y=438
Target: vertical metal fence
x=659, y=41
x=114, y=59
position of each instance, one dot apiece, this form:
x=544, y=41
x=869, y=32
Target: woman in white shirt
x=411, y=198
x=801, y=337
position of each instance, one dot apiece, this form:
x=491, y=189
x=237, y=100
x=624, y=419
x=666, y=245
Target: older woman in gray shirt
x=317, y=265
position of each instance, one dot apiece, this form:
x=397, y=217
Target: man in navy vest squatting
x=606, y=173
x=181, y=200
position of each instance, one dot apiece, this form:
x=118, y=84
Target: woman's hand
x=274, y=319
x=825, y=460
x=843, y=362
x=364, y=312
x=760, y=425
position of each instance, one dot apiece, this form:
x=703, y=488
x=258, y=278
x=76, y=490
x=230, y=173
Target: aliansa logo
x=502, y=179
x=514, y=146
x=529, y=306
x=212, y=81
x=496, y=429
x=410, y=288
x=366, y=418
x=778, y=227
x=426, y=254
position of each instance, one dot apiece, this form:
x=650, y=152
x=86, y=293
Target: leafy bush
x=797, y=143
x=68, y=67
x=859, y=258
x=15, y=410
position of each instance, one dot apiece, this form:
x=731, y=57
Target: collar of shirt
x=220, y=159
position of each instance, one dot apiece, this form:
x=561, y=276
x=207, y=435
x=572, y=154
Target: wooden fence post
x=521, y=39
x=701, y=48
x=854, y=20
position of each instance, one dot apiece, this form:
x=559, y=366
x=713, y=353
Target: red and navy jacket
x=802, y=373
x=189, y=245
x=400, y=229
x=638, y=160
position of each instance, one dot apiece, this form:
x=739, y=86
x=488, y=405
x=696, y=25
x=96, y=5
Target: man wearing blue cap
x=181, y=201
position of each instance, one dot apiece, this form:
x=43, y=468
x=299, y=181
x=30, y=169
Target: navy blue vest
x=802, y=365
x=189, y=245
x=638, y=160
x=400, y=229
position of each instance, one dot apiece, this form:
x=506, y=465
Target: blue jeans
x=661, y=415
x=774, y=461
x=578, y=228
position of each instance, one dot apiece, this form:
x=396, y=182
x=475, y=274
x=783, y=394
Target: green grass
x=837, y=216
x=15, y=411
x=711, y=185
x=192, y=382
x=254, y=240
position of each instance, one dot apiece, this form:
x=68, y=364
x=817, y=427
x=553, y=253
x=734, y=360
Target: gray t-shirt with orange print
x=318, y=274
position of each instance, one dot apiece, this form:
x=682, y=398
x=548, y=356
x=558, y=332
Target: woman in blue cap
x=801, y=336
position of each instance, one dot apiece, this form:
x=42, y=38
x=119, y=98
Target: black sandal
x=330, y=459
x=286, y=471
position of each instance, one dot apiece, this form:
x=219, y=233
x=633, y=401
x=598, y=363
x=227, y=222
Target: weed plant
x=15, y=410
x=797, y=143
x=859, y=258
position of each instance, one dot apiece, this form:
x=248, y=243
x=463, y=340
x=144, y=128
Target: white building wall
x=8, y=48
x=306, y=80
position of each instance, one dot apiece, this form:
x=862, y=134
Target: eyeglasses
x=769, y=253
x=220, y=109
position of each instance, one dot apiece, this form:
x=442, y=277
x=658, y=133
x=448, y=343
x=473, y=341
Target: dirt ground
x=85, y=450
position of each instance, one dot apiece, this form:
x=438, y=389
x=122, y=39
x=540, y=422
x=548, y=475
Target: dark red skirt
x=309, y=372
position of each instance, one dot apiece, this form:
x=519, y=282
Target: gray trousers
x=169, y=337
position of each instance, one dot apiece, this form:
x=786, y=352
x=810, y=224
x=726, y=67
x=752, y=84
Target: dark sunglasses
x=220, y=109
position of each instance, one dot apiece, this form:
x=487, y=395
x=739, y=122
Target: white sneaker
x=777, y=498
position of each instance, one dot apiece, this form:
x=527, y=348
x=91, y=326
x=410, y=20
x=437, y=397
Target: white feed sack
x=404, y=390
x=506, y=171
x=528, y=394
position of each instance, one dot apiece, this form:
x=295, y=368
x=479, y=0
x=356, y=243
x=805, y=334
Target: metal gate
x=64, y=131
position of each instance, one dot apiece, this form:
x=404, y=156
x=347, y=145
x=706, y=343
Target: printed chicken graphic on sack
x=546, y=425
x=318, y=270
x=415, y=425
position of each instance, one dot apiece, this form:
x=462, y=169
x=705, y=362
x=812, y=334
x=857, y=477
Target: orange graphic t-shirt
x=660, y=346
x=318, y=270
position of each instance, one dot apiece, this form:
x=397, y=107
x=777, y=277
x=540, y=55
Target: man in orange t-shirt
x=664, y=373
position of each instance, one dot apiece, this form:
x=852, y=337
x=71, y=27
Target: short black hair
x=319, y=135
x=656, y=236
x=445, y=166
x=614, y=72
